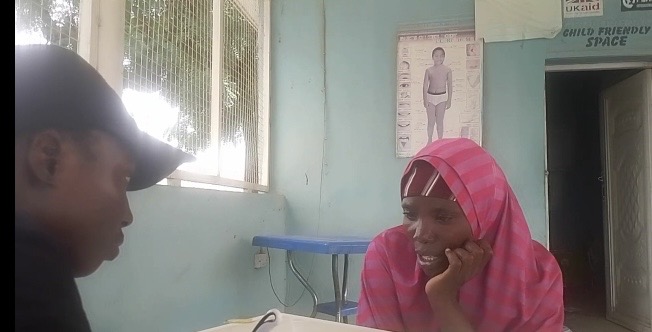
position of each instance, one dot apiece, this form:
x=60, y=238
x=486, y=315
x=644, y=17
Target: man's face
x=90, y=200
x=434, y=225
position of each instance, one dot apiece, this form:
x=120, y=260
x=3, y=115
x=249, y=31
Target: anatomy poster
x=439, y=88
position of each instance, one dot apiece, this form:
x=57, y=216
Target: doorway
x=577, y=197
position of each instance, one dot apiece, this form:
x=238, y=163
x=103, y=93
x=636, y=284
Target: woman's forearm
x=451, y=317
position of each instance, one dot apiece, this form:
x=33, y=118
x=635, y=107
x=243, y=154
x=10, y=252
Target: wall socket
x=260, y=260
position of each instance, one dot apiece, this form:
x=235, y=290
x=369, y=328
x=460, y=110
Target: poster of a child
x=440, y=93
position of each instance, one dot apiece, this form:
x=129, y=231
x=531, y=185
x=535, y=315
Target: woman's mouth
x=432, y=265
x=425, y=260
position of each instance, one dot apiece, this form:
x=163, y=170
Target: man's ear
x=44, y=155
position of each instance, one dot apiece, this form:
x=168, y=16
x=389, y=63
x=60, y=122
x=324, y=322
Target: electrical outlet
x=260, y=260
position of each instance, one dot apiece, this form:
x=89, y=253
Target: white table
x=293, y=323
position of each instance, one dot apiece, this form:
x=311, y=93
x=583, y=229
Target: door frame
x=578, y=66
x=588, y=67
x=598, y=66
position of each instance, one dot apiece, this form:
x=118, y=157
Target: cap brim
x=155, y=160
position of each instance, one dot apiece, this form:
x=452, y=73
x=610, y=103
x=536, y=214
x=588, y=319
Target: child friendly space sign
x=603, y=28
x=607, y=36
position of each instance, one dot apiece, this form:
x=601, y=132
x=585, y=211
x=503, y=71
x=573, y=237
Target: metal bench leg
x=336, y=287
x=305, y=284
x=345, y=277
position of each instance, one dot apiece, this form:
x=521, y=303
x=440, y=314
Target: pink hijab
x=520, y=289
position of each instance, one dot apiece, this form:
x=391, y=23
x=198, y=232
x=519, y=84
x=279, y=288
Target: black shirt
x=47, y=298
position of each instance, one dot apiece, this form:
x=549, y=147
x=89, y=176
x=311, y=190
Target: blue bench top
x=320, y=245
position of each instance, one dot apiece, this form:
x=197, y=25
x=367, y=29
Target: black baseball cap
x=57, y=89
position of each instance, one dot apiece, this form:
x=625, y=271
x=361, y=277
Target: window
x=192, y=76
x=47, y=21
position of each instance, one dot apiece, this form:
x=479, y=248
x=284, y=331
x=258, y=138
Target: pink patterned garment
x=520, y=289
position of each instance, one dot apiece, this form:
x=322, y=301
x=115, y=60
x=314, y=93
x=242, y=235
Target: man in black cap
x=78, y=152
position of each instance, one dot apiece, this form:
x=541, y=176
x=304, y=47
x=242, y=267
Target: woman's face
x=434, y=225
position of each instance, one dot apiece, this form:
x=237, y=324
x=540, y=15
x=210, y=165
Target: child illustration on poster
x=439, y=89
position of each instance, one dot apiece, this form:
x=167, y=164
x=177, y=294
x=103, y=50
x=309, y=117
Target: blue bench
x=340, y=308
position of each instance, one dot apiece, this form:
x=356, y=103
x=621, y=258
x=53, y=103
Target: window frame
x=102, y=45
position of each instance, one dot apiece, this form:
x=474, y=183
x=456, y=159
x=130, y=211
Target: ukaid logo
x=627, y=5
x=582, y=8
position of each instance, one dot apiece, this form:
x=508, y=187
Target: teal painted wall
x=333, y=104
x=187, y=262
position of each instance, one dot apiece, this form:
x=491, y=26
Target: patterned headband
x=425, y=180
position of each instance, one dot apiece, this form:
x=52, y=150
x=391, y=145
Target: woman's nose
x=422, y=231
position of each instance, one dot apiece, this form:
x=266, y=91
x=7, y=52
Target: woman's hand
x=448, y=104
x=464, y=263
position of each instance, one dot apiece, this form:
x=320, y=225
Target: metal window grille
x=240, y=114
x=168, y=50
x=47, y=22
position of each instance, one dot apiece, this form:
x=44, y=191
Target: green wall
x=187, y=262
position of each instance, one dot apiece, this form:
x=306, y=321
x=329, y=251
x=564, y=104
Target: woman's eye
x=443, y=218
x=410, y=216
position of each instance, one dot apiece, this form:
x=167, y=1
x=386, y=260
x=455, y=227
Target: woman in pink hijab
x=464, y=259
